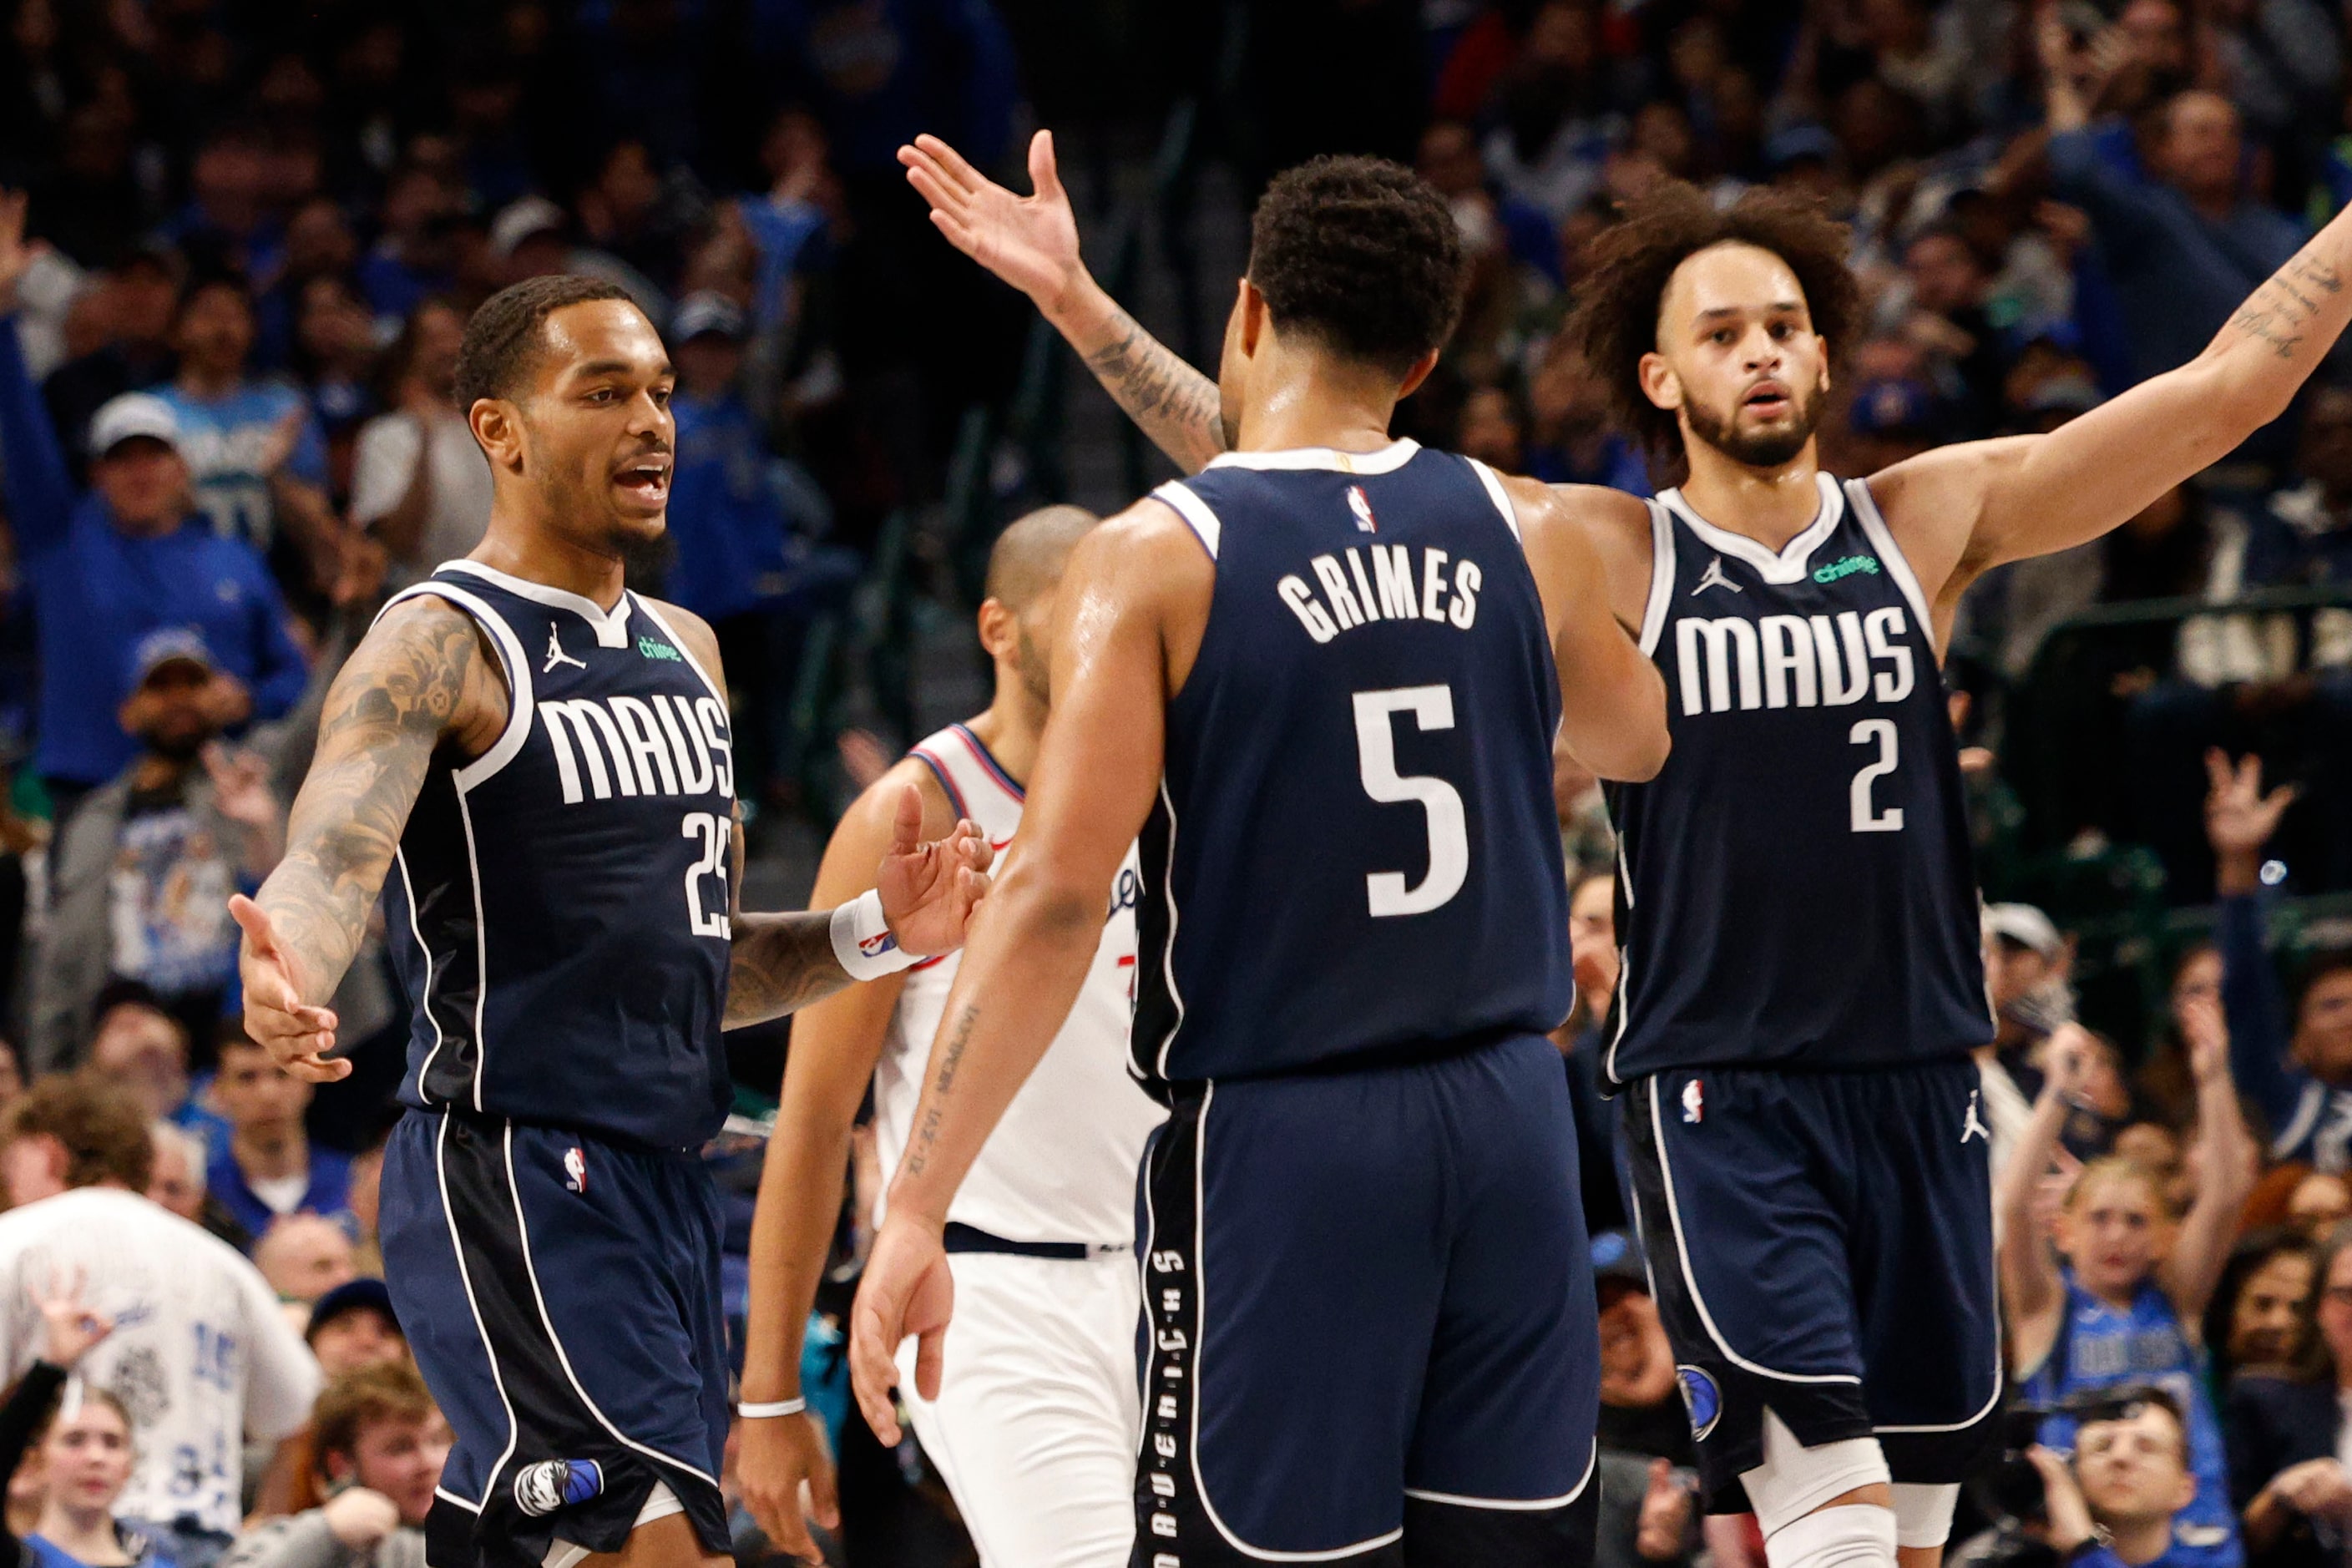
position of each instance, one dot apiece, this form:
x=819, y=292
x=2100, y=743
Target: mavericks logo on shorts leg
x=540, y=1488
x=1701, y=1397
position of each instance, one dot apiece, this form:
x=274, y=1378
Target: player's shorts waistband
x=494, y=1124
x=961, y=1237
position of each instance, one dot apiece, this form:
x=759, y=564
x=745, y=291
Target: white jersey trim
x=1168, y=948
x=611, y=626
x=1500, y=497
x=1200, y=1309
x=1517, y=1505
x=1662, y=576
x=683, y=652
x=1194, y=511
x=1690, y=1280
x=520, y=702
x=1386, y=461
x=1794, y=560
x=1874, y=528
x=400, y=863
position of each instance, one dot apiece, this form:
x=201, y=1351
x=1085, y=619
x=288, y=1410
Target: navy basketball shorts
x=1821, y=1243
x=561, y=1295
x=1369, y=1333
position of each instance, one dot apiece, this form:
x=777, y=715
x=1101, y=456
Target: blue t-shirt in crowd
x=329, y=1193
x=40, y=1552
x=227, y=441
x=725, y=520
x=96, y=590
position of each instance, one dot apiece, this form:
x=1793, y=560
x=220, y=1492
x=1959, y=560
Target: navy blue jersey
x=558, y=909
x=1795, y=886
x=1355, y=852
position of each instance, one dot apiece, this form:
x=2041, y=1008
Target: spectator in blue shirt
x=252, y=447
x=2114, y=1506
x=268, y=1167
x=103, y=570
x=2294, y=1065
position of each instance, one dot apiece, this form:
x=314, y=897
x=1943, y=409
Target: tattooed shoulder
x=422, y=669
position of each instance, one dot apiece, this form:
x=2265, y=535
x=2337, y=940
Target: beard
x=1037, y=669
x=646, y=559
x=1757, y=448
x=176, y=746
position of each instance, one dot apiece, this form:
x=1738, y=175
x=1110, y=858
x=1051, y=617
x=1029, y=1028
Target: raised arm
x=1098, y=771
x=2239, y=821
x=39, y=491
x=1612, y=714
x=2031, y=1287
x=1031, y=242
x=2227, y=1163
x=421, y=676
x=1960, y=509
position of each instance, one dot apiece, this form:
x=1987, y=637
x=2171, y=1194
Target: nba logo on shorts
x=1701, y=1397
x=1362, y=508
x=575, y=1170
x=1694, y=1102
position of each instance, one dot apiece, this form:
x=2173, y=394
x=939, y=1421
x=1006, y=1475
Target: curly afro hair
x=503, y=335
x=1362, y=254
x=1615, y=319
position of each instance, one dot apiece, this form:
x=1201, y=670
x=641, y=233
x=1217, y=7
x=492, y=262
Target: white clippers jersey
x=1061, y=1165
x=201, y=1355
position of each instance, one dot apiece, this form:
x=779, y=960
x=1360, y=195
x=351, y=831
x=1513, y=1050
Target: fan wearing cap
x=133, y=556
x=141, y=875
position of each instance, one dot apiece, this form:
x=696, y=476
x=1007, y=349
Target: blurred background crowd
x=253, y=232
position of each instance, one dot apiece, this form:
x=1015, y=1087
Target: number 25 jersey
x=1795, y=888
x=1355, y=856
x=558, y=910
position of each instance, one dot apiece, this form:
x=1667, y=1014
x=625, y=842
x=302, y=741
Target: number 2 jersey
x=1795, y=888
x=558, y=908
x=1355, y=856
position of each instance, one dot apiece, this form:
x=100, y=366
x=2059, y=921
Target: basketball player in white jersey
x=1036, y=1427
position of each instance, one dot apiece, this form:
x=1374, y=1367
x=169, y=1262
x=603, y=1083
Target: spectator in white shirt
x=419, y=484
x=200, y=1356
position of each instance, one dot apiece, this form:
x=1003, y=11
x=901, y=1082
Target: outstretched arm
x=1097, y=769
x=419, y=677
x=2226, y=1166
x=1960, y=509
x=1031, y=242
x=2030, y=1284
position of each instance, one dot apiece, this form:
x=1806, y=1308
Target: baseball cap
x=1893, y=404
x=1614, y=1256
x=171, y=644
x=2026, y=926
x=2069, y=394
x=131, y=416
x=706, y=310
x=521, y=218
x=1799, y=142
x=351, y=1295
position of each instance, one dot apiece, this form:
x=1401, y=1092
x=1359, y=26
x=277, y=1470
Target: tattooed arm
x=1959, y=510
x=419, y=680
x=1031, y=242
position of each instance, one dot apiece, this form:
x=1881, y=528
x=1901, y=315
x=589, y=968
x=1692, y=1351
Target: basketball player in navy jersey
x=1797, y=892
x=533, y=766
x=1323, y=681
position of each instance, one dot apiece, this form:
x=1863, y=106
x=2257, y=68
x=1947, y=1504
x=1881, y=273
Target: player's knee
x=1795, y=1480
x=1923, y=1514
x=1851, y=1535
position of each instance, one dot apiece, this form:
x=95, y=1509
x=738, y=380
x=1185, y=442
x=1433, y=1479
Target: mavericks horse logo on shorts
x=1701, y=1397
x=540, y=1488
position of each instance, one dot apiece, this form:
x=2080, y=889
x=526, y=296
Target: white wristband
x=772, y=1409
x=862, y=941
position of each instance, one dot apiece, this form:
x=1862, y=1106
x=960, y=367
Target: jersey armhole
x=1194, y=511
x=518, y=672
x=1661, y=576
x=1882, y=537
x=1499, y=496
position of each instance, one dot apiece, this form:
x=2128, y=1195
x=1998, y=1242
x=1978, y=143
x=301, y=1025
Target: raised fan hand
x=1030, y=242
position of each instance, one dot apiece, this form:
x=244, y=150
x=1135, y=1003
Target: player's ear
x=498, y=429
x=1825, y=362
x=1417, y=374
x=1659, y=382
x=1250, y=316
x=999, y=628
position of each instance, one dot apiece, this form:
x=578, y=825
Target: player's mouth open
x=646, y=479
x=1766, y=397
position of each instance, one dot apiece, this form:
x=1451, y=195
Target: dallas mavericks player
x=1798, y=896
x=544, y=758
x=1323, y=681
x=1036, y=1423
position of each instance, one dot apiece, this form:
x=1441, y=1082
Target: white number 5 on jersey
x=1431, y=708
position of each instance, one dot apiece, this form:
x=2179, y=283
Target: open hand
x=929, y=890
x=1030, y=242
x=241, y=789
x=905, y=1289
x=298, y=1033
x=2239, y=817
x=72, y=1328
x=783, y=1458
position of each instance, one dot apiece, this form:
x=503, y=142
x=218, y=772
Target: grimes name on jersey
x=661, y=744
x=1390, y=590
x=1792, y=661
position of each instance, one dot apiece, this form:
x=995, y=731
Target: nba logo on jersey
x=575, y=1170
x=1362, y=508
x=1694, y=1102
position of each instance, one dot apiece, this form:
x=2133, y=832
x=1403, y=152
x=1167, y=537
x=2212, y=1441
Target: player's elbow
x=1049, y=902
